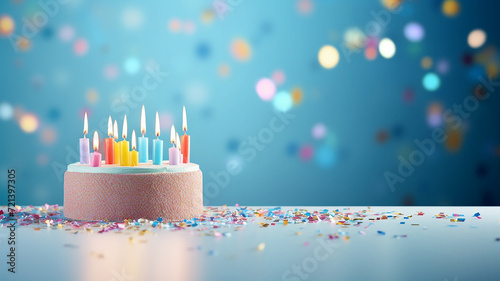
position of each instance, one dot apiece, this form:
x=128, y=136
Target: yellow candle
x=124, y=152
x=117, y=144
x=134, y=155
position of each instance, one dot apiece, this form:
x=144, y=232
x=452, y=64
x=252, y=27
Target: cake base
x=115, y=195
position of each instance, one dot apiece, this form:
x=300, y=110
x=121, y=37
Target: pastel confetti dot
x=306, y=152
x=7, y=25
x=265, y=89
x=380, y=232
x=319, y=131
x=240, y=49
x=28, y=123
x=328, y=57
x=80, y=47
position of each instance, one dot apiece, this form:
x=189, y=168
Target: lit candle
x=84, y=142
x=117, y=144
x=178, y=145
x=95, y=158
x=173, y=152
x=124, y=148
x=143, y=142
x=157, y=144
x=134, y=155
x=109, y=144
x=186, y=147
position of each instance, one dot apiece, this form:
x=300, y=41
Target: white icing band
x=143, y=168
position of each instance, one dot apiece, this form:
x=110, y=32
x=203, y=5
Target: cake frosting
x=116, y=193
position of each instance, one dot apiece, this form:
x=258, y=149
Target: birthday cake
x=116, y=193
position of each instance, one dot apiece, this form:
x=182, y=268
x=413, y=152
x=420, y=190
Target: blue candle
x=143, y=142
x=157, y=144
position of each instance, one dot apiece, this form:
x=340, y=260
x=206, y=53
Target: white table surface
x=433, y=250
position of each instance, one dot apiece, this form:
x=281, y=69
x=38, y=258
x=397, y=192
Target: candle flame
x=172, y=134
x=157, y=125
x=115, y=130
x=124, y=131
x=134, y=145
x=184, y=120
x=110, y=127
x=95, y=141
x=143, y=121
x=177, y=141
x=85, y=125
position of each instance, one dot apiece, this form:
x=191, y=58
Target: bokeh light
x=454, y=139
x=382, y=136
x=23, y=44
x=306, y=152
x=319, y=131
x=232, y=145
x=328, y=56
x=387, y=48
x=297, y=95
x=132, y=18
x=370, y=53
x=476, y=38
x=442, y=66
x=81, y=47
x=265, y=89
x=414, y=32
x=166, y=121
x=28, y=123
x=132, y=65
x=435, y=115
x=174, y=25
x=42, y=159
x=278, y=77
x=6, y=111
x=354, y=38
x=48, y=136
x=203, y=50
x=240, y=49
x=189, y=27
x=7, y=25
x=207, y=16
x=292, y=148
x=408, y=95
x=224, y=70
x=431, y=81
x=304, y=7
x=92, y=96
x=110, y=72
x=450, y=8
x=66, y=33
x=282, y=101
x=196, y=93
x=391, y=4
x=325, y=157
x=426, y=62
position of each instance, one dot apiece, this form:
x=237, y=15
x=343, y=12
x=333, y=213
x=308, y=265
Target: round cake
x=116, y=193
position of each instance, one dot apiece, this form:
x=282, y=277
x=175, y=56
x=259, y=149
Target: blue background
x=372, y=110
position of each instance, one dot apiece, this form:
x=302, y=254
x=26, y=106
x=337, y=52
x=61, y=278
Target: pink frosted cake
x=115, y=193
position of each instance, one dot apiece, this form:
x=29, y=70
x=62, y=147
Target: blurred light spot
x=224, y=70
x=241, y=50
x=476, y=38
x=480, y=92
x=48, y=136
x=37, y=81
x=196, y=93
x=282, y=101
x=319, y=131
x=391, y=4
x=331, y=140
x=387, y=48
x=166, y=121
x=297, y=95
x=397, y=131
x=47, y=32
x=370, y=53
x=266, y=27
x=431, y=81
x=435, y=115
x=328, y=56
x=265, y=89
x=23, y=44
x=426, y=62
x=61, y=77
x=371, y=42
x=306, y=152
x=203, y=50
x=18, y=113
x=481, y=170
x=189, y=27
x=28, y=123
x=442, y=66
x=42, y=159
x=232, y=145
x=408, y=95
x=132, y=18
x=292, y=148
x=467, y=59
x=81, y=47
x=174, y=25
x=414, y=32
x=454, y=140
x=110, y=72
x=207, y=16
x=476, y=71
x=304, y=7
x=132, y=65
x=450, y=8
x=6, y=111
x=54, y=114
x=492, y=70
x=6, y=25
x=382, y=136
x=278, y=77
x=354, y=38
x=92, y=96
x=325, y=157
x=66, y=33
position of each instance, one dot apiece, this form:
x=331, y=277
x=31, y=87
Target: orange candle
x=109, y=144
x=185, y=140
x=134, y=155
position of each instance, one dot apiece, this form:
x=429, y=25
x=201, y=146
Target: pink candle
x=173, y=152
x=95, y=158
